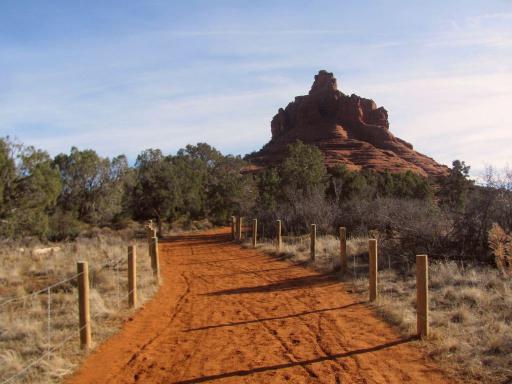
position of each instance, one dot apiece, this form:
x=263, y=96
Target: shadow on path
x=283, y=285
x=246, y=372
x=221, y=260
x=198, y=239
x=256, y=271
x=273, y=318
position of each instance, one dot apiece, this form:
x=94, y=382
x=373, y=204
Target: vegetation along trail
x=232, y=315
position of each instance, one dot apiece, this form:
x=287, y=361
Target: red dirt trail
x=229, y=315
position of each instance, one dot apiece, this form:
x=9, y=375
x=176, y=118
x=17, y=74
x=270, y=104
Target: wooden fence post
x=372, y=250
x=422, y=295
x=279, y=238
x=233, y=227
x=240, y=227
x=254, y=232
x=155, y=261
x=84, y=312
x=132, y=276
x=312, y=248
x=151, y=232
x=343, y=250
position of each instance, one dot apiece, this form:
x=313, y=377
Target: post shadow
x=247, y=372
x=233, y=324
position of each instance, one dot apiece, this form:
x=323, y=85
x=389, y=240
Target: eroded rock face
x=349, y=130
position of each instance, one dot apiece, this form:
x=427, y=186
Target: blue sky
x=122, y=76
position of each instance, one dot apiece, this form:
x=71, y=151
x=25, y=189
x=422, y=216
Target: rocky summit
x=349, y=130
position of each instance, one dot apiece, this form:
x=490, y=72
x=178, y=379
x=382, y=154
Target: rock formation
x=349, y=130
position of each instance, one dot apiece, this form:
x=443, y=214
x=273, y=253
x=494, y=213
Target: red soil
x=232, y=315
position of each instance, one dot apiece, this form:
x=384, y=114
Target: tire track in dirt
x=337, y=365
x=285, y=345
x=316, y=332
x=233, y=315
x=152, y=339
x=141, y=368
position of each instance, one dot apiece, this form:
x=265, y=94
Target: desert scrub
x=470, y=317
x=500, y=243
x=26, y=331
x=470, y=307
x=297, y=249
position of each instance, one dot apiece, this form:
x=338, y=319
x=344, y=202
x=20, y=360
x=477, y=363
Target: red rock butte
x=349, y=130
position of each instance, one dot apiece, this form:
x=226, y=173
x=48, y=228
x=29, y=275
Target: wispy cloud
x=219, y=75
x=497, y=16
x=247, y=32
x=452, y=117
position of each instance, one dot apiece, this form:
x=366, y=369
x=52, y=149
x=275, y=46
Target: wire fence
x=57, y=306
x=44, y=356
x=28, y=305
x=328, y=253
x=54, y=310
x=42, y=290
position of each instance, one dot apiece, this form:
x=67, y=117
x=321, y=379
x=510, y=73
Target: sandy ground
x=231, y=315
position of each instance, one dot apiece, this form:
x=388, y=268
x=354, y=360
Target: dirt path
x=232, y=315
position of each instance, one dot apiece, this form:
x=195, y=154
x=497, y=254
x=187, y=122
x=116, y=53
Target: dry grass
x=500, y=243
x=470, y=317
x=470, y=308
x=184, y=225
x=24, y=335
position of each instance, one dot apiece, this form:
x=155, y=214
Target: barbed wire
x=113, y=264
x=42, y=357
x=50, y=349
x=23, y=297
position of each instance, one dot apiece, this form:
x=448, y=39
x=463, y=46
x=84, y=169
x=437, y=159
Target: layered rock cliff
x=349, y=130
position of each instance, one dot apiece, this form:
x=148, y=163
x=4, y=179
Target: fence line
x=422, y=316
x=114, y=264
x=421, y=278
x=23, y=297
x=42, y=357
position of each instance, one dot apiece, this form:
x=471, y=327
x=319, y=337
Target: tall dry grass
x=500, y=243
x=26, y=331
x=470, y=307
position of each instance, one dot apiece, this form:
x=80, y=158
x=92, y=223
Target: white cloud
x=449, y=117
x=447, y=91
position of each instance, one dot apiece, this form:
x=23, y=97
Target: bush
x=64, y=226
x=500, y=243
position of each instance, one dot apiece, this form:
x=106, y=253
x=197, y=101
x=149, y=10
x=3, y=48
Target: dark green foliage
x=7, y=179
x=346, y=185
x=198, y=182
x=155, y=193
x=303, y=169
x=192, y=165
x=64, y=226
x=367, y=184
x=58, y=198
x=455, y=186
x=228, y=191
x=93, y=187
x=36, y=192
x=269, y=189
x=29, y=189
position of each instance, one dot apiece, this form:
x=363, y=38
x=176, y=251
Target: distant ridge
x=349, y=130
